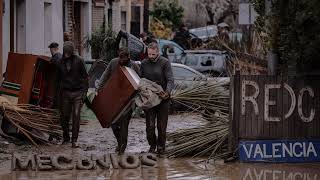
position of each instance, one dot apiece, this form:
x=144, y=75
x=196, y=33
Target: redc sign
x=295, y=99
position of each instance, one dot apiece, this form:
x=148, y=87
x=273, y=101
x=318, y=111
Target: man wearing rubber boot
x=74, y=86
x=120, y=127
x=157, y=69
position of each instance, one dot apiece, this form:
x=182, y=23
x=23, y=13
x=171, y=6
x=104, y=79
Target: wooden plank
x=261, y=122
x=231, y=137
x=298, y=126
x=277, y=126
x=266, y=124
x=306, y=109
x=237, y=118
x=310, y=103
x=291, y=83
x=285, y=108
x=253, y=116
x=249, y=111
x=242, y=123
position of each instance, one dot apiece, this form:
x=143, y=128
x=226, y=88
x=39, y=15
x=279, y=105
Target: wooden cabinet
x=29, y=79
x=113, y=98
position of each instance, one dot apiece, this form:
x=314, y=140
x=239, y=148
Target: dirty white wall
x=86, y=23
x=34, y=27
x=35, y=20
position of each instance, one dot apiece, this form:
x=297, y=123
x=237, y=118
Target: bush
x=293, y=32
x=169, y=12
x=102, y=43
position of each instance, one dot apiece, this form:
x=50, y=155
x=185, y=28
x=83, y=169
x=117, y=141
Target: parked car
x=170, y=50
x=207, y=32
x=211, y=62
x=204, y=33
x=184, y=76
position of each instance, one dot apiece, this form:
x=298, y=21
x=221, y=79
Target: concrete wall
x=5, y=34
x=86, y=24
x=35, y=18
x=34, y=29
x=117, y=8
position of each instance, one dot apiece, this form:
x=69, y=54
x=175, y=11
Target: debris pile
x=211, y=100
x=34, y=122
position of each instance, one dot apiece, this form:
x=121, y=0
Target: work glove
x=92, y=92
x=164, y=95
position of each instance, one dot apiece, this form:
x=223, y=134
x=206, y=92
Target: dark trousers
x=71, y=104
x=120, y=130
x=159, y=112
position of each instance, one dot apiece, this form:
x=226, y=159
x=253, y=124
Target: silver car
x=206, y=61
x=185, y=76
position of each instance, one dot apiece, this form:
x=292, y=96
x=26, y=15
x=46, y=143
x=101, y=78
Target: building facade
x=30, y=26
x=77, y=18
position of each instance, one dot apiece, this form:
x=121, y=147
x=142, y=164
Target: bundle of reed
x=205, y=97
x=206, y=140
x=211, y=100
x=34, y=122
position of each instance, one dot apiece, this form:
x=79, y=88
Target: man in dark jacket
x=74, y=85
x=157, y=69
x=120, y=127
x=54, y=50
x=56, y=56
x=183, y=37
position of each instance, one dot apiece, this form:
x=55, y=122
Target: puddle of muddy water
x=183, y=169
x=96, y=140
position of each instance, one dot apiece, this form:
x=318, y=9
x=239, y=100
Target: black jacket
x=74, y=78
x=159, y=72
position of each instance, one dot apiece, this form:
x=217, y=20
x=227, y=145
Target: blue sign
x=279, y=151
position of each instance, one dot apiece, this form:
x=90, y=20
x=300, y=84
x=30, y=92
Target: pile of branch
x=34, y=122
x=211, y=100
x=205, y=97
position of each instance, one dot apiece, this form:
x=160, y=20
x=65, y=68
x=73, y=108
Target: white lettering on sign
x=296, y=149
x=275, y=150
x=312, y=111
x=268, y=102
x=293, y=100
x=251, y=98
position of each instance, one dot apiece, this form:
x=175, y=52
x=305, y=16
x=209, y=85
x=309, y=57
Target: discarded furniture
x=117, y=93
x=29, y=79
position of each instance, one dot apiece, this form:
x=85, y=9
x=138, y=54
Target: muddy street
x=96, y=140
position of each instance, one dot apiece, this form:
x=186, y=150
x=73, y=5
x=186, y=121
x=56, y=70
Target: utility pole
x=146, y=16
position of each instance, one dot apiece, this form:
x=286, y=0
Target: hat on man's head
x=53, y=45
x=68, y=47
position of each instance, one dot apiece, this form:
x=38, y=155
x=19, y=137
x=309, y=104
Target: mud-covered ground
x=96, y=140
